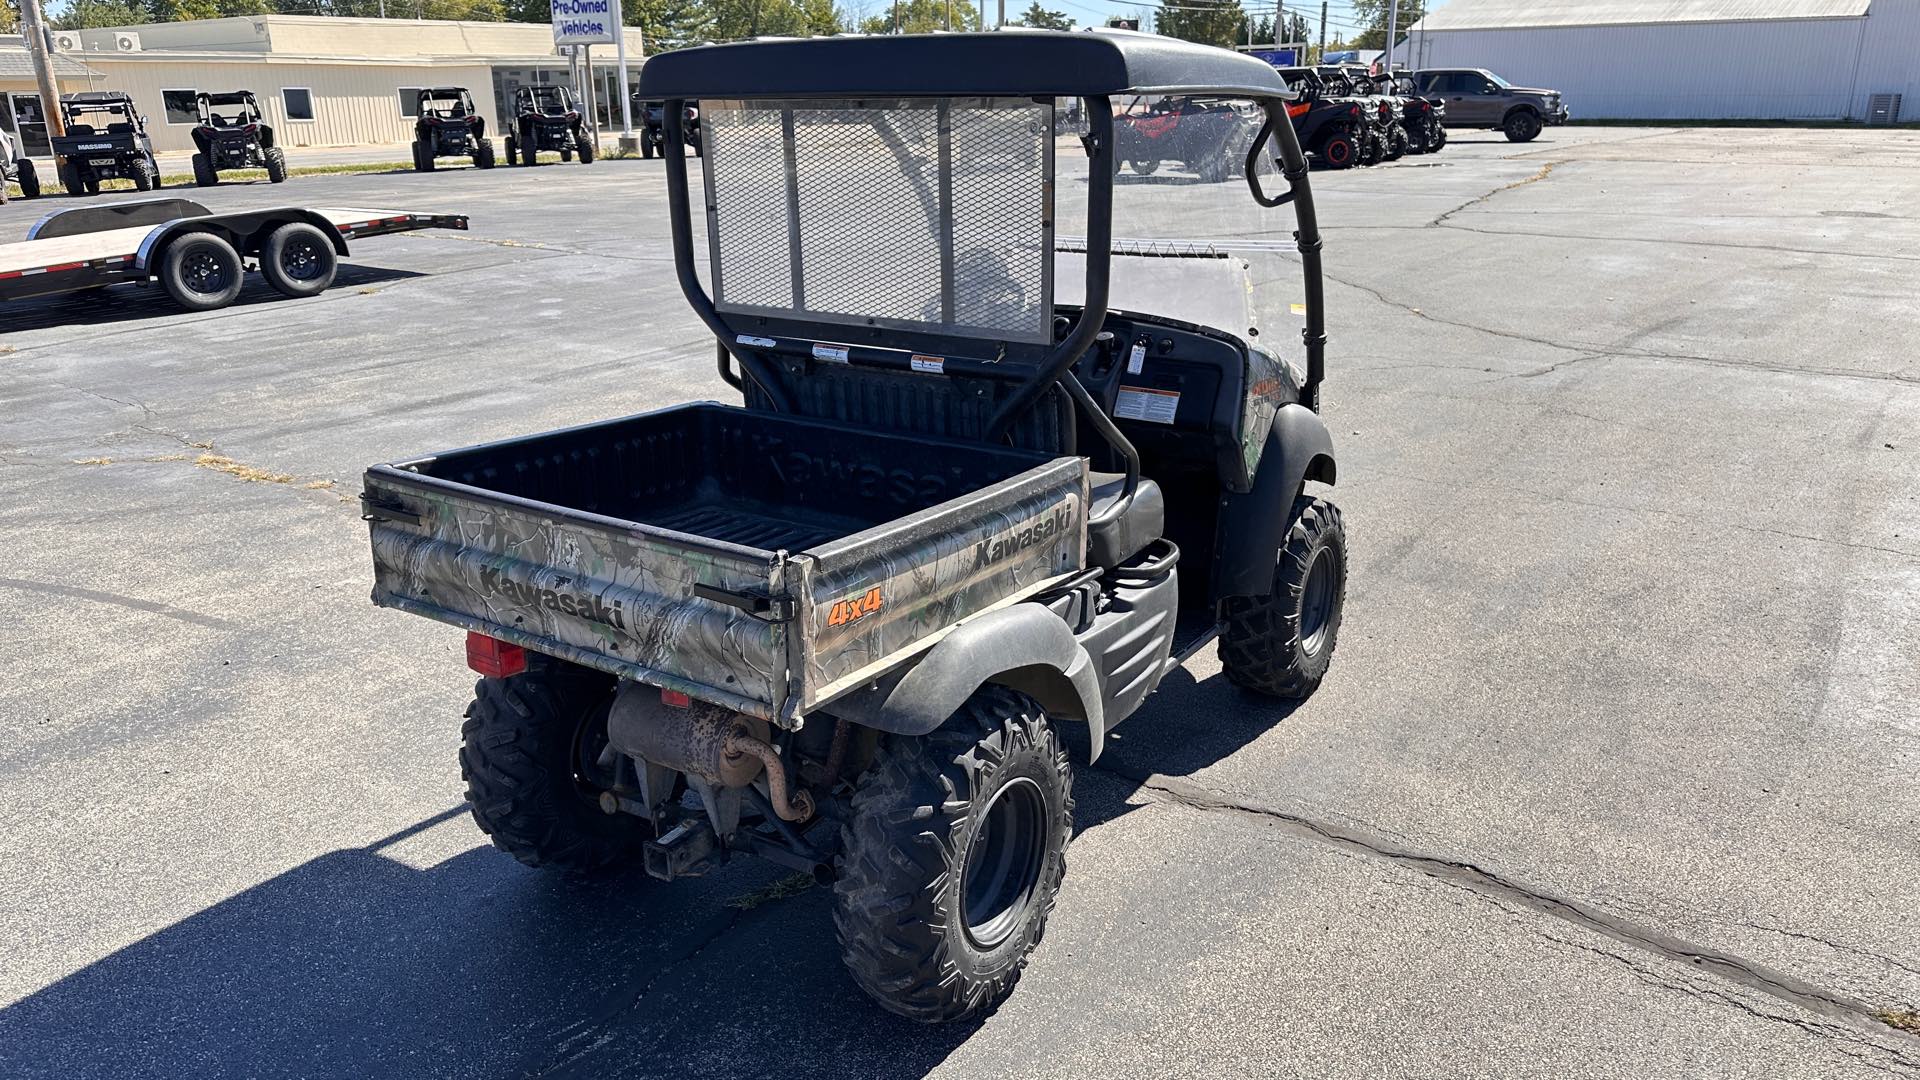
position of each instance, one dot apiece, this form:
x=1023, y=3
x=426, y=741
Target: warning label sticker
x=932, y=365
x=1137, y=358
x=833, y=354
x=1141, y=403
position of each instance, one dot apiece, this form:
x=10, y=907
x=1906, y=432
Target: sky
x=1341, y=21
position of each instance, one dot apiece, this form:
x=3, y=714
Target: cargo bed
x=760, y=561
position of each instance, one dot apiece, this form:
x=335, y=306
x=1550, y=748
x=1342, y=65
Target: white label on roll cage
x=1142, y=403
x=833, y=354
x=757, y=342
x=932, y=365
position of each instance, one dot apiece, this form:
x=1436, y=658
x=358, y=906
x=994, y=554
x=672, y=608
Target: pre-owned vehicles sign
x=584, y=22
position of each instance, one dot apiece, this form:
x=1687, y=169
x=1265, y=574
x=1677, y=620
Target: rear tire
x=483, y=154
x=422, y=156
x=1339, y=151
x=143, y=176
x=204, y=174
x=952, y=859
x=646, y=148
x=513, y=151
x=1396, y=142
x=566, y=152
x=298, y=260
x=29, y=180
x=1521, y=126
x=201, y=272
x=521, y=755
x=586, y=150
x=276, y=164
x=1438, y=140
x=1280, y=644
x=1145, y=167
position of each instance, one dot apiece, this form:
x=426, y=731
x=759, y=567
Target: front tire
x=276, y=164
x=586, y=150
x=526, y=750
x=952, y=859
x=1522, y=126
x=1339, y=151
x=483, y=154
x=204, y=174
x=29, y=180
x=1145, y=166
x=298, y=260
x=1280, y=644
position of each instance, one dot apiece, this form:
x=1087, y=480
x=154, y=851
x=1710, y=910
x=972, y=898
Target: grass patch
x=1899, y=1019
x=50, y=184
x=791, y=885
x=222, y=463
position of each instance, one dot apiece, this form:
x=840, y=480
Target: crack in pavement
x=1738, y=970
x=1545, y=171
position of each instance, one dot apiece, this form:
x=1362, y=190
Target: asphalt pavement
x=1614, y=775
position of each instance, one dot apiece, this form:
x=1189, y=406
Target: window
x=410, y=102
x=180, y=107
x=299, y=102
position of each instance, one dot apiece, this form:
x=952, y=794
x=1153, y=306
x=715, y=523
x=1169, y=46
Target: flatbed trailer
x=197, y=255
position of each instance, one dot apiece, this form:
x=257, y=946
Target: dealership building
x=321, y=81
x=1689, y=59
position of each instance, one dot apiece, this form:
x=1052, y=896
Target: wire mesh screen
x=930, y=215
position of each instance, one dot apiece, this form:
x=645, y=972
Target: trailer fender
x=1025, y=647
x=246, y=231
x=1253, y=524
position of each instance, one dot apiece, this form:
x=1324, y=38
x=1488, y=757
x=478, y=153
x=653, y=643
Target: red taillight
x=494, y=658
x=675, y=698
x=1355, y=110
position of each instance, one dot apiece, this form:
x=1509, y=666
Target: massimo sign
x=584, y=22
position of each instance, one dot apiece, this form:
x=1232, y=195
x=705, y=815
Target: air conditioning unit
x=126, y=43
x=67, y=41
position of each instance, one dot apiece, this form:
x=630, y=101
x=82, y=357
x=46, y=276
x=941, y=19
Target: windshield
x=1497, y=80
x=1189, y=241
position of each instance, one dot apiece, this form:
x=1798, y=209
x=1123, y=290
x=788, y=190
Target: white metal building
x=1688, y=59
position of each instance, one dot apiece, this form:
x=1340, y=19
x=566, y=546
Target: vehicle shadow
x=358, y=964
x=126, y=302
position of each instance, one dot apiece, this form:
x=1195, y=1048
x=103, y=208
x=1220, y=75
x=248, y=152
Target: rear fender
x=1025, y=647
x=1254, y=524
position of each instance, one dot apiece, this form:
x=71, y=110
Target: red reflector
x=494, y=658
x=675, y=698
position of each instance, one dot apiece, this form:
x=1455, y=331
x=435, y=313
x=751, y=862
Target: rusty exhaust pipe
x=800, y=807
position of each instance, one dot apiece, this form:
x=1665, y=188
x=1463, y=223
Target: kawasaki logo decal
x=1035, y=534
x=581, y=605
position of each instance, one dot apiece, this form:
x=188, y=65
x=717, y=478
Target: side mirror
x=1489, y=89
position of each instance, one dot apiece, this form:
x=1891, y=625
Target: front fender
x=1025, y=647
x=1254, y=524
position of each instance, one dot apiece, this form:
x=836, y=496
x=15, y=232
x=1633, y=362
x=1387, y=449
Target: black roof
x=97, y=97
x=1025, y=63
x=230, y=97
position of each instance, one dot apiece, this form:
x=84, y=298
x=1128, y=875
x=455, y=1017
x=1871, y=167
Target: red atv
x=1209, y=137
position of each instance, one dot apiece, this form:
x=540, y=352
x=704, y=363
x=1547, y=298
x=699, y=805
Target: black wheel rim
x=1004, y=861
x=203, y=272
x=589, y=742
x=301, y=260
x=1316, y=601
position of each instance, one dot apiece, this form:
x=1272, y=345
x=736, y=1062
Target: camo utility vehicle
x=449, y=125
x=547, y=117
x=233, y=134
x=1422, y=119
x=1010, y=447
x=106, y=139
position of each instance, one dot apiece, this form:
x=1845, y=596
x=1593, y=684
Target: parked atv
x=106, y=139
x=653, y=136
x=449, y=126
x=1332, y=129
x=1343, y=85
x=1419, y=118
x=1205, y=136
x=17, y=167
x=547, y=117
x=233, y=135
x=844, y=624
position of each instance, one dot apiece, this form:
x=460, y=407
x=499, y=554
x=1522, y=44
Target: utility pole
x=34, y=28
x=949, y=16
x=1393, y=20
x=1003, y=15
x=896, y=16
x=1323, y=29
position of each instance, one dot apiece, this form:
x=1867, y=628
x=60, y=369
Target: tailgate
x=624, y=598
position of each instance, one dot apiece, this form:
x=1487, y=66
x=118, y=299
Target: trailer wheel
x=204, y=174
x=298, y=260
x=952, y=858
x=201, y=272
x=586, y=150
x=29, y=180
x=528, y=753
x=276, y=164
x=1280, y=644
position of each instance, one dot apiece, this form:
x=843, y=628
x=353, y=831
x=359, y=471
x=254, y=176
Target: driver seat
x=1113, y=543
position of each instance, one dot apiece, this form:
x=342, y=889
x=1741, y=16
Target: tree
x=1373, y=14
x=920, y=17
x=1040, y=18
x=89, y=14
x=1297, y=28
x=1209, y=22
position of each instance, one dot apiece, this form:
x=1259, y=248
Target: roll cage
x=249, y=112
x=547, y=99
x=446, y=103
x=112, y=103
x=780, y=79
